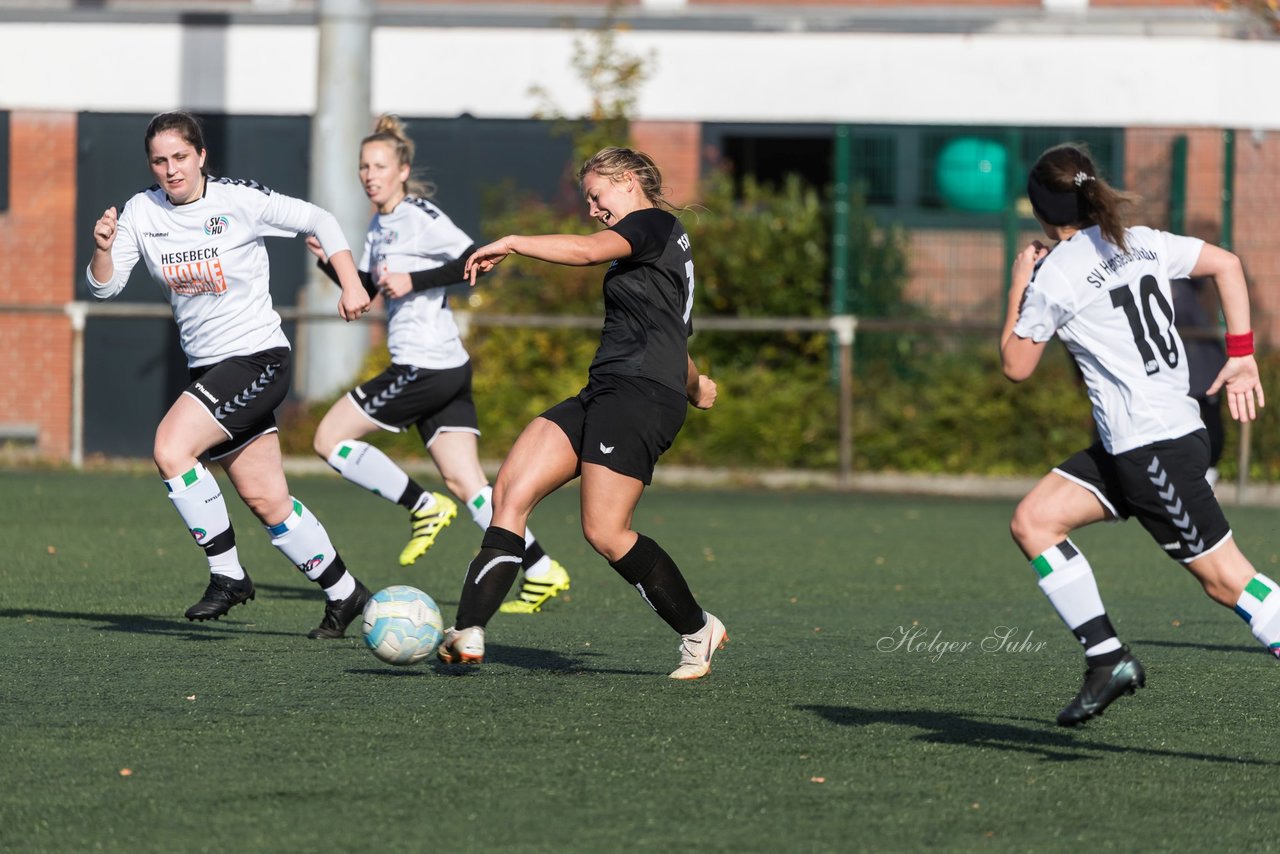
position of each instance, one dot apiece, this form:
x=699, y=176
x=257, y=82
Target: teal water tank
x=971, y=174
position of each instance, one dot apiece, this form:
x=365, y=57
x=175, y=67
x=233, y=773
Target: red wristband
x=1240, y=345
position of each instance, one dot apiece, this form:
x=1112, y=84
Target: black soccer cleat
x=221, y=596
x=338, y=615
x=1103, y=686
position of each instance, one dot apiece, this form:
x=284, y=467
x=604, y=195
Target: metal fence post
x=844, y=326
x=78, y=313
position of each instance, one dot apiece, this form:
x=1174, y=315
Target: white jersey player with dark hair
x=1104, y=291
x=412, y=252
x=202, y=240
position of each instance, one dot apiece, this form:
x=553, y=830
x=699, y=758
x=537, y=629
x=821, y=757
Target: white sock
x=481, y=507
x=541, y=567
x=1259, y=606
x=364, y=465
x=303, y=540
x=198, y=500
x=1067, y=579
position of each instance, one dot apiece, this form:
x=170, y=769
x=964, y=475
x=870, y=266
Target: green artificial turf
x=818, y=730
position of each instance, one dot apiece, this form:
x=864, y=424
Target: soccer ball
x=402, y=625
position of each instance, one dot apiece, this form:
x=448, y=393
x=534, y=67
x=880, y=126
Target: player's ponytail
x=184, y=125
x=1065, y=189
x=391, y=130
x=613, y=162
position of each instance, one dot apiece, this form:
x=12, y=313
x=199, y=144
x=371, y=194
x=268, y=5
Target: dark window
x=920, y=176
x=4, y=161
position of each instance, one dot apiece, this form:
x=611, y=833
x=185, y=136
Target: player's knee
x=269, y=509
x=508, y=496
x=1023, y=526
x=457, y=486
x=1223, y=575
x=609, y=542
x=170, y=459
x=322, y=445
x=326, y=440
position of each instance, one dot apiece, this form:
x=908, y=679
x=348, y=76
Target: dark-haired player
x=1103, y=290
x=202, y=240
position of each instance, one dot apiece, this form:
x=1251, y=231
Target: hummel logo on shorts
x=206, y=393
x=359, y=392
x=604, y=450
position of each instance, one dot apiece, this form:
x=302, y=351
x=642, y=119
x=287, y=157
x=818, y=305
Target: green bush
x=922, y=403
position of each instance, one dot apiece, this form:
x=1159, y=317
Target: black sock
x=1093, y=632
x=409, y=498
x=489, y=577
x=532, y=554
x=652, y=571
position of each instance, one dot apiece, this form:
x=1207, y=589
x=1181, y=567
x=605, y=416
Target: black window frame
x=4, y=160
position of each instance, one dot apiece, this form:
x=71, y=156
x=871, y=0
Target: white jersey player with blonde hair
x=1104, y=291
x=412, y=253
x=202, y=240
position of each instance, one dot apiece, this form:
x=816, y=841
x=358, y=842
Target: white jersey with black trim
x=1114, y=311
x=209, y=258
x=415, y=236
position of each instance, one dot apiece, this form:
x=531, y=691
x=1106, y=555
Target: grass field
x=811, y=733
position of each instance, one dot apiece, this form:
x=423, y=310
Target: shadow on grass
x=1056, y=745
x=285, y=591
x=526, y=658
x=1207, y=647
x=143, y=624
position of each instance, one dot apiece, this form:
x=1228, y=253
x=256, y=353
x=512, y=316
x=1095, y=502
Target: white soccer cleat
x=462, y=646
x=696, y=649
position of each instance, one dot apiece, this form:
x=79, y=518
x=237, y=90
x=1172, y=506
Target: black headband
x=1054, y=207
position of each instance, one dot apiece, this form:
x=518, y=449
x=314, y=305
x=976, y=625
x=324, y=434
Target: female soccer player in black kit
x=613, y=431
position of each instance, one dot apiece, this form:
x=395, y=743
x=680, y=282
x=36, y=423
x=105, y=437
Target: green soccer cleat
x=1103, y=686
x=427, y=524
x=535, y=592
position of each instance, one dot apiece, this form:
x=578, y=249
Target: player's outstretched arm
x=1238, y=380
x=572, y=250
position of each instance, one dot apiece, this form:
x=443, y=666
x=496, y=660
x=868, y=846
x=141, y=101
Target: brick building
x=760, y=84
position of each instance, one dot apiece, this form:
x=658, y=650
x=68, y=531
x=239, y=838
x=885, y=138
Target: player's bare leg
x=1054, y=508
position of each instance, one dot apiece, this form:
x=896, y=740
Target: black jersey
x=648, y=302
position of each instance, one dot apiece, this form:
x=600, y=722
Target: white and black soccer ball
x=402, y=625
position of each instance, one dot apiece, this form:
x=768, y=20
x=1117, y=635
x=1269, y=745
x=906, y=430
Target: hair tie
x=1081, y=177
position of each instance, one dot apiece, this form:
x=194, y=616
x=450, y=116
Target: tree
x=613, y=79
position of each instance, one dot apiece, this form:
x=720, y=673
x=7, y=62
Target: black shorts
x=1163, y=486
x=242, y=394
x=434, y=401
x=622, y=423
